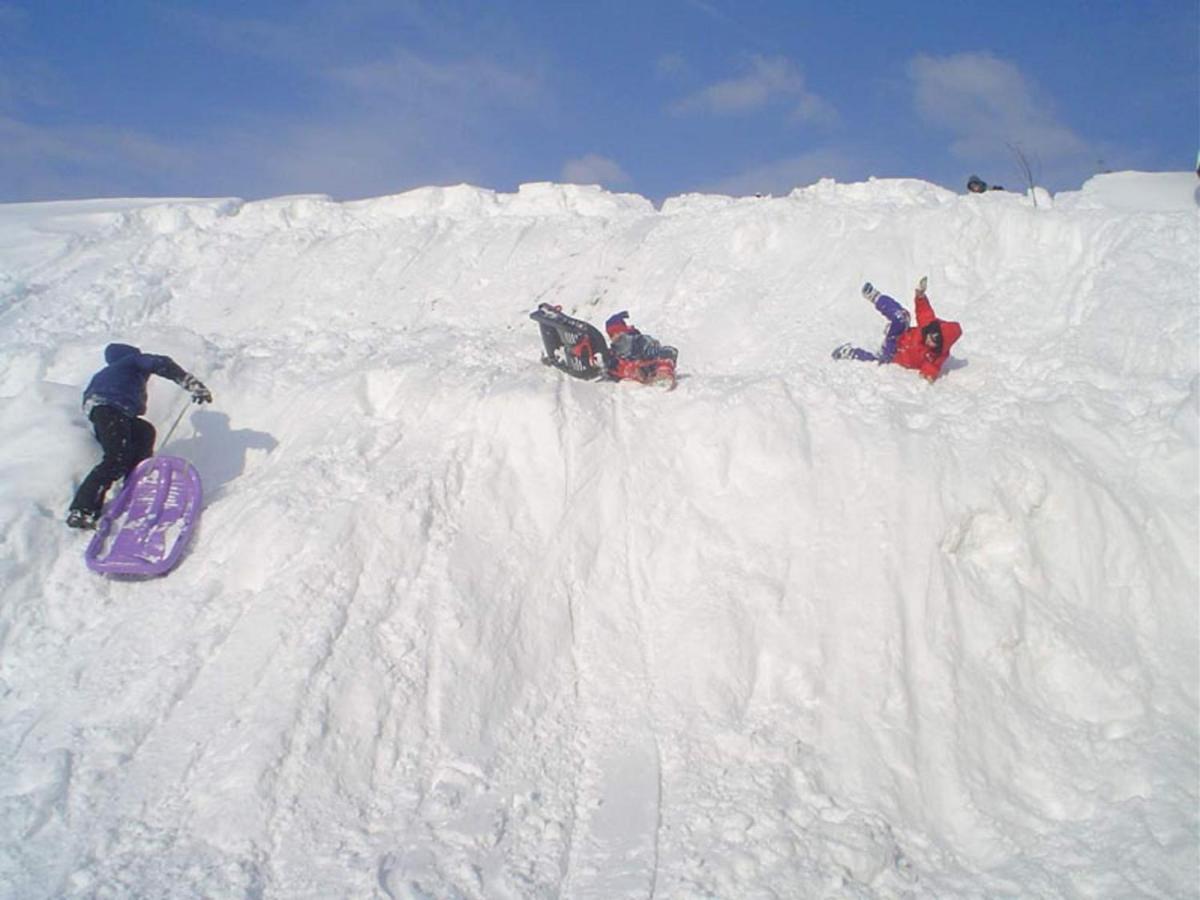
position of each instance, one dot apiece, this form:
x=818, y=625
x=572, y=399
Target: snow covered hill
x=456, y=626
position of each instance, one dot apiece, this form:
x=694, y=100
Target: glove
x=921, y=285
x=193, y=385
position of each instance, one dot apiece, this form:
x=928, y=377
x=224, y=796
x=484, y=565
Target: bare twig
x=1026, y=169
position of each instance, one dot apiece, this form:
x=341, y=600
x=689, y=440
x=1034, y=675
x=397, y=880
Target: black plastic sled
x=571, y=344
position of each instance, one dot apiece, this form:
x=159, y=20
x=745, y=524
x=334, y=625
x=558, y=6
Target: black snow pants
x=126, y=441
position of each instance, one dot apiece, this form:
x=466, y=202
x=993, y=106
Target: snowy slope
x=456, y=626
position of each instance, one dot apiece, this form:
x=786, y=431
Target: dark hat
x=615, y=324
x=113, y=352
x=934, y=330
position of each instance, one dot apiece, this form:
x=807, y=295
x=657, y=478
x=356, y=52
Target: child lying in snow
x=924, y=347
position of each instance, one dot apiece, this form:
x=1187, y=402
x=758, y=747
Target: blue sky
x=362, y=98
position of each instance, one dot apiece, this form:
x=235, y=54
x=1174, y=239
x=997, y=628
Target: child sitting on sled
x=638, y=356
x=629, y=343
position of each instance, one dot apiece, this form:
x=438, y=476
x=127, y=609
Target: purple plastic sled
x=146, y=529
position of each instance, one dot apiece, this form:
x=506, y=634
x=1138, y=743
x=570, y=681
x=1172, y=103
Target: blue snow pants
x=898, y=319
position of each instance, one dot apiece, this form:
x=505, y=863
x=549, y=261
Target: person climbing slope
x=114, y=401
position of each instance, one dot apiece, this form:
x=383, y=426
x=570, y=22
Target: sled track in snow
x=614, y=847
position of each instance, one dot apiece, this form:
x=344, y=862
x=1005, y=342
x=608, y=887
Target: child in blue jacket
x=114, y=401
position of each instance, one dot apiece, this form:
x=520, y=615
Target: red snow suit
x=911, y=351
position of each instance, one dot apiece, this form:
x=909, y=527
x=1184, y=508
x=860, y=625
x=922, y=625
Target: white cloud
x=89, y=145
x=38, y=162
x=361, y=157
x=319, y=43
x=672, y=65
x=303, y=35
x=362, y=125
x=594, y=169
x=988, y=104
x=410, y=78
x=781, y=176
x=770, y=80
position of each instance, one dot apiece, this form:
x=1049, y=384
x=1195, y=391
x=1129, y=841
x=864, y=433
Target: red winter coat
x=911, y=351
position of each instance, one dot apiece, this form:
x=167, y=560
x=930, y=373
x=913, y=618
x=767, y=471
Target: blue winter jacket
x=632, y=344
x=122, y=383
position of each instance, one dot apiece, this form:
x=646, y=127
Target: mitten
x=193, y=385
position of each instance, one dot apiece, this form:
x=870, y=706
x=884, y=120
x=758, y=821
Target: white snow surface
x=454, y=625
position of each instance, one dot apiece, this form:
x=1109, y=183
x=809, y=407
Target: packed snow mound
x=1137, y=192
x=454, y=625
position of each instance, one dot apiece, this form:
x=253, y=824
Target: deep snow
x=456, y=626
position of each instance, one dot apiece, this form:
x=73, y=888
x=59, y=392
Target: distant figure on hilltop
x=924, y=347
x=977, y=185
x=113, y=401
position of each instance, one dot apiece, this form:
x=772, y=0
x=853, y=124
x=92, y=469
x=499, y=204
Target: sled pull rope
x=175, y=424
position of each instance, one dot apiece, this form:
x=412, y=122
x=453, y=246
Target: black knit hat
x=933, y=328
